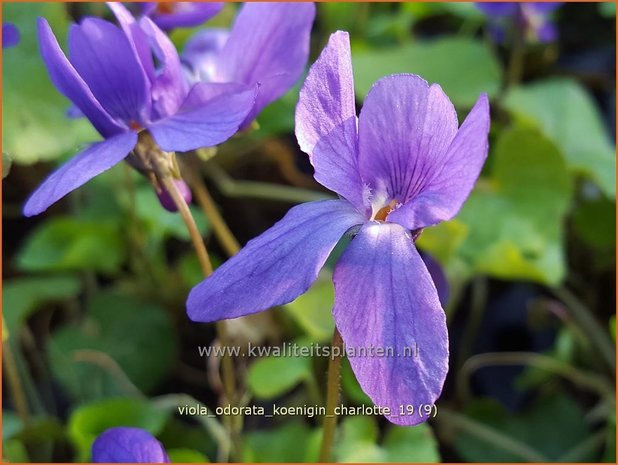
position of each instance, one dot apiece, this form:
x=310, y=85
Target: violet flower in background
x=128, y=445
x=267, y=45
x=170, y=15
x=112, y=78
x=533, y=18
x=10, y=35
x=401, y=166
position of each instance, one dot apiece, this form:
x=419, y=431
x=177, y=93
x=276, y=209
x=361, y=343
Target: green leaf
x=34, y=122
x=11, y=424
x=288, y=443
x=567, y=115
x=161, y=223
x=595, y=223
x=553, y=425
x=273, y=376
x=186, y=456
x=14, y=451
x=6, y=164
x=313, y=309
x=414, y=444
x=427, y=59
x=121, y=337
x=88, y=421
x=68, y=244
x=514, y=219
x=23, y=296
x=358, y=441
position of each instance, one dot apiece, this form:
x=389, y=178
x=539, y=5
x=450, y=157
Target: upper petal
x=169, y=15
x=201, y=51
x=128, y=445
x=386, y=301
x=208, y=117
x=107, y=61
x=326, y=120
x=169, y=86
x=277, y=266
x=70, y=83
x=79, y=170
x=454, y=176
x=404, y=129
x=268, y=44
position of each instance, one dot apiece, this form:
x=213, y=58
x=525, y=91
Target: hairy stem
x=332, y=398
x=227, y=367
x=222, y=232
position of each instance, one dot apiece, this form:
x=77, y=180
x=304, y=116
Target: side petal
x=79, y=170
x=386, y=301
x=128, y=445
x=184, y=14
x=70, y=83
x=326, y=120
x=107, y=61
x=269, y=45
x=276, y=267
x=443, y=194
x=205, y=123
x=169, y=87
x=404, y=130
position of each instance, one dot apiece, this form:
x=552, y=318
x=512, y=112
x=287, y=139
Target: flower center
x=383, y=212
x=165, y=8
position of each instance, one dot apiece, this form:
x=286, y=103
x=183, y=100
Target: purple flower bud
x=166, y=199
x=10, y=35
x=128, y=445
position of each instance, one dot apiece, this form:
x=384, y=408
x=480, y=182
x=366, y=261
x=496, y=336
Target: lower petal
x=79, y=170
x=276, y=267
x=385, y=300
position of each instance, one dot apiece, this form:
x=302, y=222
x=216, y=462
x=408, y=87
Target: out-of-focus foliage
x=34, y=122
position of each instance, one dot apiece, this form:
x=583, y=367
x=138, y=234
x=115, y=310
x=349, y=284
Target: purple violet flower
x=401, y=166
x=267, y=45
x=170, y=15
x=128, y=96
x=532, y=17
x=127, y=445
x=10, y=35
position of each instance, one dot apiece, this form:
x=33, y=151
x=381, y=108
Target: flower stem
x=583, y=316
x=515, y=69
x=14, y=382
x=580, y=378
x=332, y=398
x=202, y=255
x=222, y=232
x=489, y=435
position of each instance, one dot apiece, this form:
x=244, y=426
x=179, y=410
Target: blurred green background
x=94, y=327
